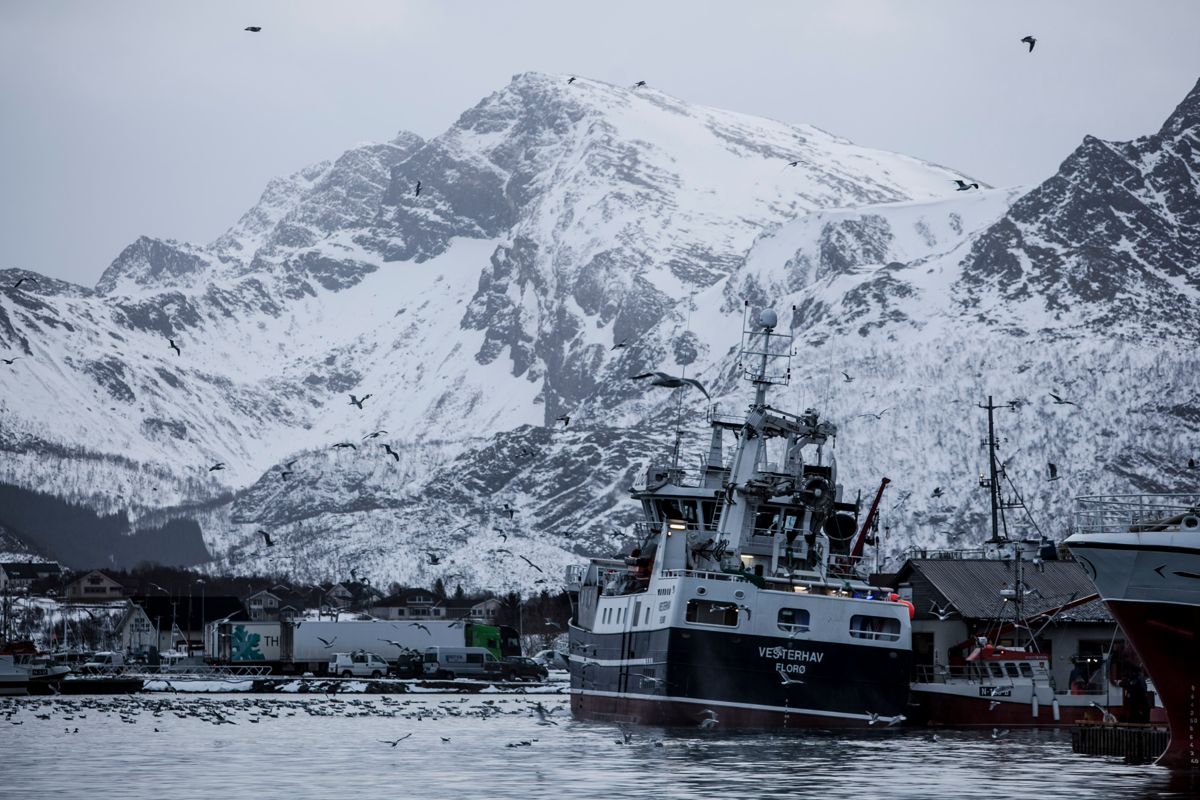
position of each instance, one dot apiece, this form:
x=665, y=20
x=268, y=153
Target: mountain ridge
x=554, y=223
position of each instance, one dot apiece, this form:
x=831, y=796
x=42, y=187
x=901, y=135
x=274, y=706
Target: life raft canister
x=895, y=598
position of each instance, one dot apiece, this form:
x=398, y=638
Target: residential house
x=173, y=623
x=95, y=585
x=484, y=610
x=958, y=599
x=16, y=577
x=277, y=603
x=410, y=604
x=352, y=595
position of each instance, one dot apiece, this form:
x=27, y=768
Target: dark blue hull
x=669, y=677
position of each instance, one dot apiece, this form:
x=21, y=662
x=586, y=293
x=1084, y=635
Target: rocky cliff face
x=555, y=221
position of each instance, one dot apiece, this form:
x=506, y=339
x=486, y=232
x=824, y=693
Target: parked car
x=409, y=665
x=359, y=664
x=465, y=662
x=520, y=668
x=551, y=659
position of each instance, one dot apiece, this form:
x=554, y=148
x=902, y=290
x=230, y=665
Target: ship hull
x=1151, y=583
x=956, y=710
x=1165, y=636
x=671, y=676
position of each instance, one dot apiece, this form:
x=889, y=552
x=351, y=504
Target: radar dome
x=768, y=318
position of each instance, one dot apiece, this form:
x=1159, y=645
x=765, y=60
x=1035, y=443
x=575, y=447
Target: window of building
x=795, y=620
x=884, y=629
x=711, y=612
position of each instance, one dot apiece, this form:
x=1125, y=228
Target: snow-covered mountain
x=553, y=222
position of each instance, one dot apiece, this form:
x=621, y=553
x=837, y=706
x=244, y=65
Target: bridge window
x=710, y=612
x=1026, y=670
x=864, y=626
x=1012, y=669
x=997, y=672
x=794, y=620
x=679, y=509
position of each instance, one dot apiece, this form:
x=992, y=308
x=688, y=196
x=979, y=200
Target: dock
x=1137, y=744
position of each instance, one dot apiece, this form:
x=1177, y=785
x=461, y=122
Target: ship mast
x=993, y=483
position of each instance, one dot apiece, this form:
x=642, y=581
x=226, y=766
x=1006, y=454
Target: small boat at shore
x=13, y=679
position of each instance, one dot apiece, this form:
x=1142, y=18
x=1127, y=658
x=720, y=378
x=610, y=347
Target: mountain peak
x=1185, y=116
x=152, y=263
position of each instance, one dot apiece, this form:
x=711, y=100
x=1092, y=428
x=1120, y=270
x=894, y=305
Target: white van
x=104, y=661
x=359, y=664
x=465, y=662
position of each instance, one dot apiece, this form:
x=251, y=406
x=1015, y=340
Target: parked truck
x=296, y=647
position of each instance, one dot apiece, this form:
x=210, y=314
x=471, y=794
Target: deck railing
x=1137, y=513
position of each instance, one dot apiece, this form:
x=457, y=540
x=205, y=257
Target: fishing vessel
x=1143, y=553
x=13, y=679
x=746, y=603
x=1001, y=674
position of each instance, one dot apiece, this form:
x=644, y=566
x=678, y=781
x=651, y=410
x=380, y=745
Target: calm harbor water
x=497, y=747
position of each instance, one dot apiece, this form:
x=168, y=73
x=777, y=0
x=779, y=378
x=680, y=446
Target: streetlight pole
x=203, y=619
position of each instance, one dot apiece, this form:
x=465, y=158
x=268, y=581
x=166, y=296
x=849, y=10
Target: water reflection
x=496, y=747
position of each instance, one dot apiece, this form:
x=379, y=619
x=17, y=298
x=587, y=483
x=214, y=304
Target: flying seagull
x=565, y=419
x=941, y=613
x=619, y=345
x=639, y=84
x=354, y=401
x=417, y=190
x=530, y=563
x=964, y=186
x=394, y=643
x=434, y=559
x=286, y=473
x=1029, y=40
x=392, y=452
x=1053, y=471
x=670, y=381
x=847, y=377
x=710, y=720
x=266, y=537
x=1058, y=401
x=327, y=642
x=10, y=361
x=419, y=626
x=17, y=285
x=937, y=492
x=174, y=347
x=570, y=80
x=253, y=28
x=351, y=445
x=374, y=435
x=509, y=510
x=876, y=416
x=394, y=742
x=220, y=465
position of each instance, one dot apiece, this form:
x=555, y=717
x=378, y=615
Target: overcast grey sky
x=163, y=118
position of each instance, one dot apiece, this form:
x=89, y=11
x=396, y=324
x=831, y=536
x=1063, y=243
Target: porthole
x=739, y=594
x=701, y=590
